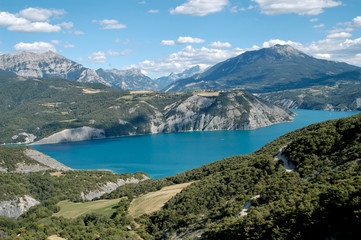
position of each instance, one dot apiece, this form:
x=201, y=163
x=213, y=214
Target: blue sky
x=163, y=36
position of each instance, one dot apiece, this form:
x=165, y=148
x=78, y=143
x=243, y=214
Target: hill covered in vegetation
x=303, y=185
x=57, y=110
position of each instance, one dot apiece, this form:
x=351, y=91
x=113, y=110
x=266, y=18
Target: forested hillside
x=303, y=185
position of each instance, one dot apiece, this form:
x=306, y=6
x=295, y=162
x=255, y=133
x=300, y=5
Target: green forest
x=319, y=199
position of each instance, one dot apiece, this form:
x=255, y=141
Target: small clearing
x=72, y=210
x=207, y=94
x=154, y=201
x=140, y=92
x=91, y=91
x=55, y=237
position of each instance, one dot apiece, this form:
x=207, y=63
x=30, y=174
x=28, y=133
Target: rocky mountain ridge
x=277, y=68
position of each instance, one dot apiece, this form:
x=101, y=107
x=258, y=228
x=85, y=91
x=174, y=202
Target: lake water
x=162, y=155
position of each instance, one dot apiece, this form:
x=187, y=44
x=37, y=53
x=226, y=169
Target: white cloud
x=34, y=27
x=40, y=14
x=319, y=26
x=55, y=42
x=98, y=57
x=168, y=42
x=67, y=25
x=200, y=7
x=323, y=56
x=142, y=2
x=357, y=21
x=19, y=24
x=77, y=32
x=110, y=24
x=69, y=45
x=273, y=42
x=304, y=7
x=153, y=11
x=182, y=40
x=219, y=44
x=35, y=47
x=122, y=53
x=186, y=58
x=339, y=35
x=187, y=40
x=313, y=19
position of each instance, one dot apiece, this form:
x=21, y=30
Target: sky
x=164, y=36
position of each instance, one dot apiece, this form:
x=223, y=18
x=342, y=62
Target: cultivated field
x=154, y=201
x=72, y=210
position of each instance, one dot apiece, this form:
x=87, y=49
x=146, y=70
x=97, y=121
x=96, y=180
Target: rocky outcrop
x=46, y=160
x=73, y=135
x=109, y=187
x=16, y=207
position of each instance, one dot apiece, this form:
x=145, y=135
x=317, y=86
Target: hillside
x=343, y=96
x=303, y=185
x=258, y=196
x=266, y=70
x=56, y=110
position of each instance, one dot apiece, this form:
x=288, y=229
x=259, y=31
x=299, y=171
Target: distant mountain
x=171, y=78
x=269, y=69
x=52, y=65
x=47, y=65
x=132, y=79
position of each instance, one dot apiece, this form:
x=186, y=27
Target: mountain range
x=280, y=67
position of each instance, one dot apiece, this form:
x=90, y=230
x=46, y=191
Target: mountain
x=47, y=65
x=52, y=65
x=280, y=67
x=165, y=81
x=131, y=79
x=58, y=110
x=303, y=185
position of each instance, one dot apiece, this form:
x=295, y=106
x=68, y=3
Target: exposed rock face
x=199, y=111
x=109, y=187
x=16, y=207
x=47, y=65
x=73, y=135
x=46, y=160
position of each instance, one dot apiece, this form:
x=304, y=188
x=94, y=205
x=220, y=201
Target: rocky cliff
x=16, y=207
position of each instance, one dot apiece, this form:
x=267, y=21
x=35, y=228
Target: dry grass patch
x=154, y=201
x=91, y=91
x=140, y=92
x=55, y=237
x=56, y=174
x=207, y=94
x=72, y=210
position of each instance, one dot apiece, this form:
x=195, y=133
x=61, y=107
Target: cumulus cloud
x=357, y=21
x=40, y=14
x=319, y=25
x=186, y=58
x=35, y=27
x=20, y=24
x=67, y=25
x=68, y=45
x=122, y=53
x=305, y=7
x=35, y=47
x=110, y=24
x=98, y=57
x=339, y=35
x=168, y=42
x=182, y=40
x=200, y=7
x=77, y=32
x=153, y=11
x=219, y=44
x=313, y=19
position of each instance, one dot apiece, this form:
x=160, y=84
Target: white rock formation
x=73, y=135
x=109, y=187
x=16, y=207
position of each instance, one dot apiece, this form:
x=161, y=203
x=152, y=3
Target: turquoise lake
x=162, y=155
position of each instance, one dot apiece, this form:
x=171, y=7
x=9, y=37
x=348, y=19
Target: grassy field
x=72, y=210
x=154, y=201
